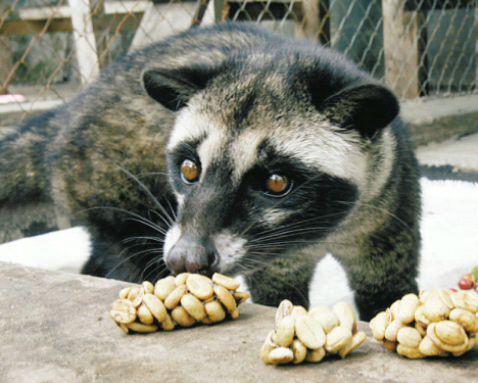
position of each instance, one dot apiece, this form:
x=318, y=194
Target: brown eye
x=189, y=171
x=277, y=184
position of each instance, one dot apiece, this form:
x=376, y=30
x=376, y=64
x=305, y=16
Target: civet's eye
x=277, y=185
x=189, y=171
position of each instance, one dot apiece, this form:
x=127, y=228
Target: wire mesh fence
x=52, y=48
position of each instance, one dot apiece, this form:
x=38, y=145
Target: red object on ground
x=465, y=284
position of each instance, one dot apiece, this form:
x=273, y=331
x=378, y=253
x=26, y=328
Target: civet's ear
x=174, y=87
x=366, y=108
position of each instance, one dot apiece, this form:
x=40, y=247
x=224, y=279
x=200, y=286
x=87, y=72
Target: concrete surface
x=55, y=327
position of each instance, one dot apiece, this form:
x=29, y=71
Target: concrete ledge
x=13, y=114
x=55, y=327
x=426, y=110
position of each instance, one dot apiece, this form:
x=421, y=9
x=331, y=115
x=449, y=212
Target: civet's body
x=237, y=150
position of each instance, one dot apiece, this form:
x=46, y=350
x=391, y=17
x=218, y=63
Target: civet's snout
x=193, y=255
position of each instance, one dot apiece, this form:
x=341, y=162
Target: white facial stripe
x=212, y=147
x=319, y=147
x=244, y=152
x=341, y=154
x=190, y=125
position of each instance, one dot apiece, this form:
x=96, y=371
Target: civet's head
x=269, y=153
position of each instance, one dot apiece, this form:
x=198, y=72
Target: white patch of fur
x=212, y=147
x=190, y=125
x=171, y=238
x=323, y=148
x=230, y=248
x=244, y=152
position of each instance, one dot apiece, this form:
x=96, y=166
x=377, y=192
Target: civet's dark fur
x=247, y=103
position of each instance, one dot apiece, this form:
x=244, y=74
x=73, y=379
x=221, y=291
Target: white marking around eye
x=322, y=148
x=341, y=154
x=190, y=125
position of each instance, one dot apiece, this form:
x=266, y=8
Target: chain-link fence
x=51, y=48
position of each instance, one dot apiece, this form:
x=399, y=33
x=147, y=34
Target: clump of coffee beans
x=310, y=336
x=183, y=300
x=437, y=322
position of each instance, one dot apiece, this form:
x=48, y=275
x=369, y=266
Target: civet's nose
x=192, y=255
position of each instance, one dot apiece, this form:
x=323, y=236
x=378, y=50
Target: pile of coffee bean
x=183, y=300
x=437, y=322
x=310, y=336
